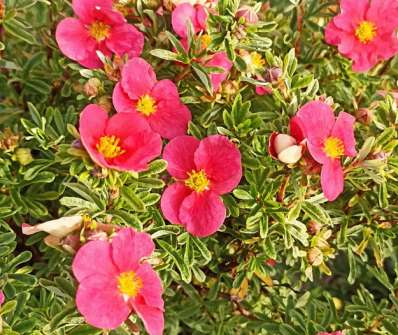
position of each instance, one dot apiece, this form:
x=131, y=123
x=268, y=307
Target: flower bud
x=248, y=14
x=273, y=74
x=314, y=227
x=106, y=103
x=271, y=262
x=9, y=140
x=364, y=115
x=23, y=156
x=92, y=87
x=315, y=256
x=284, y=148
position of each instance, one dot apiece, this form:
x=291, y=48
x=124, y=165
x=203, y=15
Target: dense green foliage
x=336, y=263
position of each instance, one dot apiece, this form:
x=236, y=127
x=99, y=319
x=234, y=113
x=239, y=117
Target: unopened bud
x=106, y=103
x=247, y=14
x=364, y=115
x=9, y=140
x=23, y=156
x=92, y=87
x=271, y=262
x=273, y=74
x=314, y=227
x=315, y=256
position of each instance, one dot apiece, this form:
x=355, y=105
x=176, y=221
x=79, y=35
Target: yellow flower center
x=205, y=41
x=197, y=181
x=256, y=60
x=109, y=146
x=333, y=147
x=99, y=30
x=146, y=105
x=129, y=284
x=366, y=32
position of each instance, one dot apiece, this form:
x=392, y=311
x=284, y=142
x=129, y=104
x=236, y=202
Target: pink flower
x=365, y=31
x=114, y=282
x=328, y=139
x=186, y=12
x=140, y=94
x=2, y=298
x=219, y=59
x=203, y=171
x=98, y=28
x=123, y=142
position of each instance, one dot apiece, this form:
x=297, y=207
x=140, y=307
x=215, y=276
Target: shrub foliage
x=286, y=261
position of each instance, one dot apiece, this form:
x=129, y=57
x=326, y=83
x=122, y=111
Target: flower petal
x=344, y=129
x=138, y=78
x=179, y=154
x=93, y=120
x=121, y=101
x=181, y=15
x=219, y=59
x=165, y=89
x=332, y=179
x=316, y=120
x=152, y=288
x=124, y=125
x=171, y=119
x=221, y=161
x=85, y=9
x=317, y=152
x=100, y=302
x=152, y=317
x=93, y=258
x=142, y=146
x=126, y=39
x=129, y=246
x=171, y=201
x=295, y=129
x=74, y=41
x=202, y=213
x=59, y=227
x=291, y=155
x=332, y=33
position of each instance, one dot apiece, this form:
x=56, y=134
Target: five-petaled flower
x=328, y=140
x=203, y=170
x=123, y=142
x=114, y=282
x=98, y=27
x=365, y=31
x=140, y=94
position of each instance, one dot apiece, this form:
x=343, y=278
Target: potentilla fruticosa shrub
x=198, y=167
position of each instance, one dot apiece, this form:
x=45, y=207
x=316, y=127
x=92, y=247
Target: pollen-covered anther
x=366, y=32
x=197, y=181
x=109, y=147
x=333, y=147
x=99, y=30
x=146, y=105
x=129, y=284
